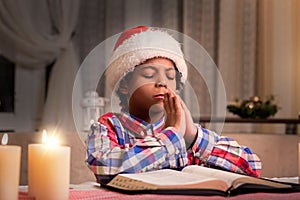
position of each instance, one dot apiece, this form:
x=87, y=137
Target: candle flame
x=4, y=139
x=48, y=140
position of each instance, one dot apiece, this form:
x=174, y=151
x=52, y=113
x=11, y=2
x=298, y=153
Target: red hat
x=128, y=33
x=136, y=45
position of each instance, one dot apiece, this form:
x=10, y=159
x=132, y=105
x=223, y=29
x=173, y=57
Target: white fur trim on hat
x=141, y=47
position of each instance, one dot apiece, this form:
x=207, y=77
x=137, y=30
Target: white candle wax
x=48, y=171
x=10, y=159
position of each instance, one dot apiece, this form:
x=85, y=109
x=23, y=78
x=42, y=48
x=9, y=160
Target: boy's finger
x=172, y=103
x=177, y=103
x=166, y=103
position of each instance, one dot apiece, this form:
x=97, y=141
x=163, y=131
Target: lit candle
x=10, y=157
x=48, y=170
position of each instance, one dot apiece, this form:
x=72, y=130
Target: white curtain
x=35, y=33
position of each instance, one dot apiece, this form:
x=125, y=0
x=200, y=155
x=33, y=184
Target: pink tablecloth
x=99, y=194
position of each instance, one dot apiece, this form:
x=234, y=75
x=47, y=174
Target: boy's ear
x=123, y=87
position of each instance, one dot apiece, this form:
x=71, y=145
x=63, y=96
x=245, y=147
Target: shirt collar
x=139, y=126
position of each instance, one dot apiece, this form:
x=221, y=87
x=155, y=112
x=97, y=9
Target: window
x=7, y=85
x=22, y=93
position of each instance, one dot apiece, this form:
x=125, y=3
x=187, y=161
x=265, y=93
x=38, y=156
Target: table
x=93, y=191
x=290, y=123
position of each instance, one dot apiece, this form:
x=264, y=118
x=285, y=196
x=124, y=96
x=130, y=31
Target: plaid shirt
x=122, y=143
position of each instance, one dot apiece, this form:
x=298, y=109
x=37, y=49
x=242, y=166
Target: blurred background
x=254, y=43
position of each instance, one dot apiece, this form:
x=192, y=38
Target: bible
x=196, y=180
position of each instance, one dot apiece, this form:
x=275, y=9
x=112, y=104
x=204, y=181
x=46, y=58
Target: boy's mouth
x=159, y=96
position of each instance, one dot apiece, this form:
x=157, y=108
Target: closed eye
x=148, y=72
x=171, y=74
x=148, y=76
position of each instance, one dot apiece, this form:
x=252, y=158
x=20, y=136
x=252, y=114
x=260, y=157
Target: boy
x=155, y=129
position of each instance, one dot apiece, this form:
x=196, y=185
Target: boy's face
x=148, y=84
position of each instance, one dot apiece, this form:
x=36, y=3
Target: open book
x=196, y=180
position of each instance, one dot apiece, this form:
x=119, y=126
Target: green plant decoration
x=254, y=108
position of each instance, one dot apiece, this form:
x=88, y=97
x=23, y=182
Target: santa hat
x=136, y=45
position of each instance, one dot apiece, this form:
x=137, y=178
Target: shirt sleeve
x=105, y=156
x=213, y=150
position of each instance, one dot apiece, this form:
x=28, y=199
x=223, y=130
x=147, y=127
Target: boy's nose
x=161, y=84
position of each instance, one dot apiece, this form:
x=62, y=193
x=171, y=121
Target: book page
x=240, y=181
x=167, y=179
x=228, y=177
x=231, y=178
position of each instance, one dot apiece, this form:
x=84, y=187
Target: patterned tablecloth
x=93, y=191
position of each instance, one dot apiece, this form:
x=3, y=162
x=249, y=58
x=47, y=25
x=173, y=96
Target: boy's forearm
x=166, y=149
x=190, y=137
